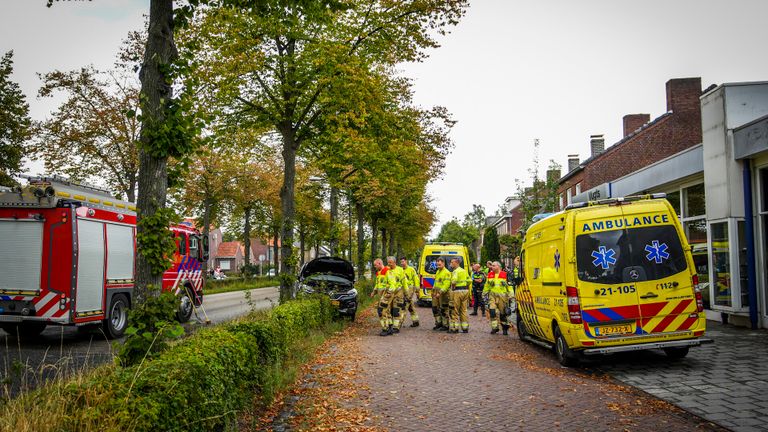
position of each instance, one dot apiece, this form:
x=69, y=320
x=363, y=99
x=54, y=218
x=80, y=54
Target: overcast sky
x=512, y=71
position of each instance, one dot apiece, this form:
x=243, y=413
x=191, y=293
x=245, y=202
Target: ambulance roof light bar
x=617, y=200
x=445, y=243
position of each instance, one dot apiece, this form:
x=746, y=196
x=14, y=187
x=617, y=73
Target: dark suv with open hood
x=333, y=276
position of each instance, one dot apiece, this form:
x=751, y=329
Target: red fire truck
x=67, y=257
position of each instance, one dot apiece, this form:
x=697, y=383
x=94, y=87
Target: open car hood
x=329, y=265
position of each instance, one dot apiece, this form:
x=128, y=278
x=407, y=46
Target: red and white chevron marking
x=47, y=305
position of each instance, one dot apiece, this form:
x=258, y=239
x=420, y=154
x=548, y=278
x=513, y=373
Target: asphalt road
x=61, y=351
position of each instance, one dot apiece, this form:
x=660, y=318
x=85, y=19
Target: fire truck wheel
x=185, y=306
x=117, y=321
x=24, y=331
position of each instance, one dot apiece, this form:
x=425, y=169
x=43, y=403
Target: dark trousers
x=477, y=294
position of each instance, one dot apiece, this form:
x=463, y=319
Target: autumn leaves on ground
x=424, y=380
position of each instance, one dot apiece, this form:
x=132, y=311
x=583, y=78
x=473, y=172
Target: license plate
x=614, y=330
x=335, y=302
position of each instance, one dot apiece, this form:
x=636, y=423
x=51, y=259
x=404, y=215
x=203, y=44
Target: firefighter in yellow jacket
x=381, y=287
x=459, y=298
x=498, y=291
x=441, y=296
x=412, y=282
x=397, y=285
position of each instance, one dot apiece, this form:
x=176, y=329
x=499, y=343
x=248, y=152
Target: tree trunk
x=333, y=241
x=391, y=242
x=349, y=213
x=275, y=254
x=360, y=241
x=153, y=171
x=302, y=238
x=374, y=242
x=384, y=244
x=247, y=238
x=288, y=205
x=206, y=234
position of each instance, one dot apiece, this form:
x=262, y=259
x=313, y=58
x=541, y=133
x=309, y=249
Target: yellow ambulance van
x=428, y=265
x=610, y=276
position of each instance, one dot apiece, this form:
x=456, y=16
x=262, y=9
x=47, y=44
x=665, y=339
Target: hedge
x=199, y=384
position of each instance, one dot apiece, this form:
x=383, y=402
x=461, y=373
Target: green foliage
x=453, y=231
x=155, y=241
x=510, y=245
x=201, y=383
x=541, y=196
x=491, y=250
x=14, y=122
x=151, y=326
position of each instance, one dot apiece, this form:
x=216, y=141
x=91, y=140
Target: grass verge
x=238, y=284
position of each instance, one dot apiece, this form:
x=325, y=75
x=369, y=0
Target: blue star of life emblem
x=557, y=260
x=604, y=257
x=656, y=252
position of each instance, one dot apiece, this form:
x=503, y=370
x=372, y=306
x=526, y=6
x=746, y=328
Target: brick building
x=644, y=142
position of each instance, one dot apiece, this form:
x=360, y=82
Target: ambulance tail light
x=574, y=308
x=697, y=293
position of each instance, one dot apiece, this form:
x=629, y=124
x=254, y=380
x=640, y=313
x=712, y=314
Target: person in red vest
x=497, y=291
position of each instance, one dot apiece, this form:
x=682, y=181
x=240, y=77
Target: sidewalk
x=421, y=380
x=725, y=382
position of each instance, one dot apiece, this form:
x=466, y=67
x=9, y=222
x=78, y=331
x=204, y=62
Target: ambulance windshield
x=629, y=255
x=430, y=262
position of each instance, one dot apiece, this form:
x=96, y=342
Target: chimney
x=553, y=175
x=573, y=162
x=633, y=122
x=597, y=144
x=683, y=95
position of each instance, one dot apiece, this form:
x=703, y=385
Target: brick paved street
x=726, y=382
x=423, y=380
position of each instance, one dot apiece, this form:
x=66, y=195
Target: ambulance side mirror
x=550, y=276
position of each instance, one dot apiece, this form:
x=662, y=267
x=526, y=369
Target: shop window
x=721, y=267
x=743, y=274
x=694, y=201
x=674, y=199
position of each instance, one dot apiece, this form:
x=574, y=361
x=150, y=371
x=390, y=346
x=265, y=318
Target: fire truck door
x=90, y=266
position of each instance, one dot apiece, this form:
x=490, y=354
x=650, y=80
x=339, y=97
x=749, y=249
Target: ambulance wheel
x=522, y=332
x=117, y=320
x=565, y=355
x=185, y=306
x=677, y=352
x=24, y=331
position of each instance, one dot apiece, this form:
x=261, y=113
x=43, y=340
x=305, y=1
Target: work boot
x=474, y=313
x=444, y=328
x=384, y=333
x=494, y=331
x=504, y=330
x=465, y=330
x=396, y=330
x=415, y=324
x=436, y=327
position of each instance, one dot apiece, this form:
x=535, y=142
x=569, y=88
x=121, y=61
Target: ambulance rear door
x=662, y=270
x=609, y=299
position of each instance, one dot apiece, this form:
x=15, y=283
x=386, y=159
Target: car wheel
x=117, y=319
x=522, y=332
x=185, y=306
x=565, y=354
x=25, y=330
x=677, y=352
